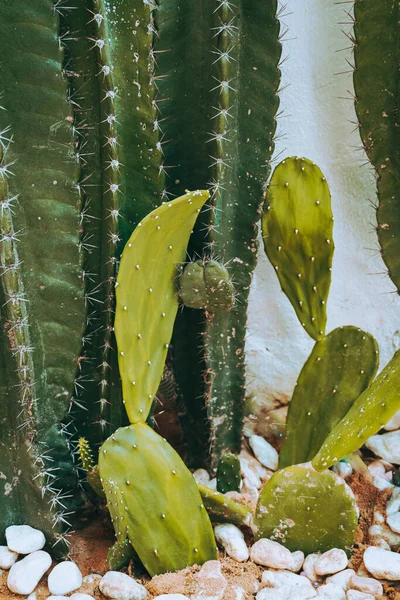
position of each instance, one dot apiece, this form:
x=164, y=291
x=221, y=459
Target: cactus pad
x=228, y=474
x=146, y=286
x=154, y=501
x=292, y=510
x=297, y=232
x=206, y=285
x=339, y=368
x=223, y=509
x=371, y=411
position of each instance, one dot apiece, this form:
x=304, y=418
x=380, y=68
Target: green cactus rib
x=43, y=308
x=376, y=84
x=154, y=501
x=228, y=135
x=291, y=510
x=297, y=227
x=371, y=411
x=228, y=474
x=147, y=286
x=207, y=286
x=339, y=368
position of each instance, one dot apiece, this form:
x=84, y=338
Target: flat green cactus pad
x=154, y=501
x=223, y=509
x=371, y=411
x=206, y=285
x=306, y=510
x=339, y=368
x=228, y=473
x=297, y=232
x=147, y=300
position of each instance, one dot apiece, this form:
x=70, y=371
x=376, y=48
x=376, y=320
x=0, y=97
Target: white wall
x=318, y=124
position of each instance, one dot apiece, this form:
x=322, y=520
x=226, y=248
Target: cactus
x=120, y=555
x=376, y=56
x=228, y=474
x=42, y=305
x=229, y=137
x=297, y=232
x=292, y=510
x=206, y=286
x=223, y=509
x=339, y=368
x=371, y=411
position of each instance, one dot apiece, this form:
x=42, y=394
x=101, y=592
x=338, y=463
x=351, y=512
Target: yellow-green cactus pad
x=154, y=501
x=147, y=299
x=306, y=510
x=297, y=227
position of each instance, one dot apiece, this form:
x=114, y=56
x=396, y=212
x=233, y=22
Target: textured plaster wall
x=318, y=123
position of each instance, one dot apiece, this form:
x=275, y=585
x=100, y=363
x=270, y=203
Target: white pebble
x=381, y=483
x=282, y=593
x=212, y=484
x=394, y=522
x=367, y=585
x=24, y=539
x=171, y=597
x=209, y=578
x=201, y=476
x=57, y=598
x=343, y=469
x=264, y=452
x=309, y=566
x=92, y=578
x=250, y=478
x=32, y=596
x=64, y=578
x=298, y=560
x=232, y=540
x=332, y=561
x=79, y=596
x=394, y=423
x=377, y=468
x=342, y=579
x=7, y=558
x=279, y=579
x=272, y=554
x=355, y=595
x=386, y=446
x=329, y=590
x=382, y=564
x=121, y=587
x=24, y=576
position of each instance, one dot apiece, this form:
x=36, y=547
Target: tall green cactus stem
x=297, y=227
x=228, y=474
x=229, y=136
x=292, y=510
x=339, y=368
x=147, y=286
x=206, y=285
x=377, y=103
x=371, y=411
x=154, y=501
x=42, y=304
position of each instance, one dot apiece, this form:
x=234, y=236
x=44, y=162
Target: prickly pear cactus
x=228, y=474
x=373, y=409
x=147, y=287
x=154, y=501
x=206, y=285
x=223, y=509
x=297, y=225
x=292, y=510
x=339, y=368
x=377, y=104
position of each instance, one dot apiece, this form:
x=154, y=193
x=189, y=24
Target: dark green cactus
x=222, y=136
x=377, y=103
x=223, y=509
x=371, y=411
x=228, y=474
x=339, y=368
x=42, y=302
x=297, y=227
x=292, y=510
x=206, y=285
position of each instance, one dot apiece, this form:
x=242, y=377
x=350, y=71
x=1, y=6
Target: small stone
x=64, y=578
x=7, y=558
x=79, y=596
x=282, y=593
x=394, y=423
x=121, y=587
x=24, y=539
x=298, y=560
x=210, y=583
x=343, y=469
x=264, y=452
x=32, y=596
x=332, y=561
x=394, y=522
x=57, y=598
x=92, y=578
x=24, y=576
x=309, y=566
x=329, y=590
x=234, y=592
x=232, y=540
x=271, y=554
x=342, y=579
x=382, y=564
x=212, y=484
x=377, y=468
x=171, y=597
x=366, y=585
x=279, y=579
x=355, y=595
x=250, y=478
x=201, y=476
x=386, y=446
